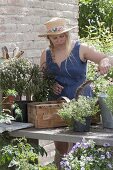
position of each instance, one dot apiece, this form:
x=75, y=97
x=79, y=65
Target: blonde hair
x=68, y=44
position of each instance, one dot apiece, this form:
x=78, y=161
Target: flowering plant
x=86, y=155
x=79, y=109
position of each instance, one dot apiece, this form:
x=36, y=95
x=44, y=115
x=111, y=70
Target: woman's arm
x=89, y=53
x=43, y=60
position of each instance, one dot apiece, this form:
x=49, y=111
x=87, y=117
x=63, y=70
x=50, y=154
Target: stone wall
x=21, y=21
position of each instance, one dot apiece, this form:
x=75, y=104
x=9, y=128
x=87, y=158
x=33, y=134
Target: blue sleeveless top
x=71, y=73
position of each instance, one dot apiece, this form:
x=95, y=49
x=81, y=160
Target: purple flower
x=106, y=145
x=74, y=148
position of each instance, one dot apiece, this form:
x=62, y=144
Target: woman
x=68, y=62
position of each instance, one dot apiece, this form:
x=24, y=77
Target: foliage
x=102, y=39
x=86, y=155
x=41, y=84
x=5, y=118
x=25, y=78
x=103, y=42
x=93, y=11
x=19, y=155
x=100, y=82
x=79, y=109
x=17, y=112
x=5, y=114
x=48, y=167
x=11, y=92
x=15, y=73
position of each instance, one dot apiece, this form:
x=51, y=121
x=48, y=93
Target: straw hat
x=55, y=26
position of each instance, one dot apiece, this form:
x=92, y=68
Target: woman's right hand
x=57, y=88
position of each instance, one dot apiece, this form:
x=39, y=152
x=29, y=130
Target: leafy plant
x=93, y=11
x=5, y=114
x=48, y=167
x=102, y=41
x=11, y=92
x=15, y=73
x=17, y=112
x=86, y=155
x=41, y=84
x=100, y=83
x=6, y=118
x=19, y=155
x=79, y=109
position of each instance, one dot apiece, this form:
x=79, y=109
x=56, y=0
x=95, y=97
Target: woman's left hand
x=104, y=66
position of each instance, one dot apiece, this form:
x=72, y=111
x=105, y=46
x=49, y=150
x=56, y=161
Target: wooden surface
x=97, y=133
x=14, y=126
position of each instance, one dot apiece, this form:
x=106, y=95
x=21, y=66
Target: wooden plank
x=100, y=136
x=14, y=126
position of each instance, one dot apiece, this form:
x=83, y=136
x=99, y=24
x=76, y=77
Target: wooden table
x=97, y=133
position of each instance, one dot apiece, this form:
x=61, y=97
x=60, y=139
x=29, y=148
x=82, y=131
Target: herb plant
x=15, y=73
x=41, y=84
x=79, y=109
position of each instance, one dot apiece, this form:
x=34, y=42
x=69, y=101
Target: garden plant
x=86, y=155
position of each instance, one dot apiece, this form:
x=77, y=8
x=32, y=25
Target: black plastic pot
x=79, y=127
x=23, y=106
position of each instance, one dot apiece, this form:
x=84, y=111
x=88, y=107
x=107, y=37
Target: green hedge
x=92, y=12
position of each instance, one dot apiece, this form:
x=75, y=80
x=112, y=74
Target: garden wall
x=21, y=21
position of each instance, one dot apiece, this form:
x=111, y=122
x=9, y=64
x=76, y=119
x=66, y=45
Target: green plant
x=86, y=155
x=19, y=155
x=5, y=114
x=93, y=11
x=17, y=112
x=11, y=92
x=48, y=167
x=98, y=85
x=79, y=109
x=5, y=117
x=41, y=84
x=102, y=41
x=15, y=73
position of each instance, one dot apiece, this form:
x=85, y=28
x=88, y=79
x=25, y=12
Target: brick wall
x=21, y=21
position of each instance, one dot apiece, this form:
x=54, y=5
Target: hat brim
x=56, y=33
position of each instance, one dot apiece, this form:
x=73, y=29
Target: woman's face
x=58, y=39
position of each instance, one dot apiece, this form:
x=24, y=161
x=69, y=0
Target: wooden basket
x=44, y=114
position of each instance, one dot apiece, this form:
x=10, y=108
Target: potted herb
x=11, y=95
x=78, y=112
x=6, y=114
x=15, y=73
x=41, y=84
x=87, y=155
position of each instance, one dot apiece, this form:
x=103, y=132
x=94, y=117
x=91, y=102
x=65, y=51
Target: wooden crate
x=44, y=114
